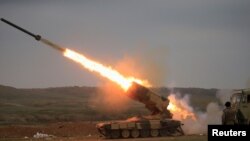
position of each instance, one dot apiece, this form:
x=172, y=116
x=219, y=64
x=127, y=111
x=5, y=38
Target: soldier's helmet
x=227, y=104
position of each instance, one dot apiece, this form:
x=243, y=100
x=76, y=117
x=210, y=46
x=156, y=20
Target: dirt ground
x=72, y=131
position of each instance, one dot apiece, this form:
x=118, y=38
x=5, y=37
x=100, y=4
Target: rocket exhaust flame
x=106, y=71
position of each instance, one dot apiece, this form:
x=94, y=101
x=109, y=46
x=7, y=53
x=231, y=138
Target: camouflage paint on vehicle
x=159, y=123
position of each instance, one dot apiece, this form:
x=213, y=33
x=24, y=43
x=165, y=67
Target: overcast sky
x=182, y=43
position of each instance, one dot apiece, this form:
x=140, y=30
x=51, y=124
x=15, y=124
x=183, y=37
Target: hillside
x=81, y=103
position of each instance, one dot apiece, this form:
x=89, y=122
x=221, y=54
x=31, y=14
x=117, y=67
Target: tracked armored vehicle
x=159, y=123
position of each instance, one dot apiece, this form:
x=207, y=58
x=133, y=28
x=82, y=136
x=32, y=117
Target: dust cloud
x=212, y=115
x=110, y=99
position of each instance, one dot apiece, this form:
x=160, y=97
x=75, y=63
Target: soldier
x=229, y=115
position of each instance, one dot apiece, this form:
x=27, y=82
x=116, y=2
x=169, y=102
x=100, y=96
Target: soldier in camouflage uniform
x=229, y=115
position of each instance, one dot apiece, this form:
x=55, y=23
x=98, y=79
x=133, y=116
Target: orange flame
x=177, y=107
x=106, y=71
x=180, y=109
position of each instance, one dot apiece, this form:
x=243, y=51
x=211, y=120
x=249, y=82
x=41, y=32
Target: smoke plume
x=224, y=95
x=212, y=115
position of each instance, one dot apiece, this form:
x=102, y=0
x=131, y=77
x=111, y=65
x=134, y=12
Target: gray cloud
x=207, y=42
